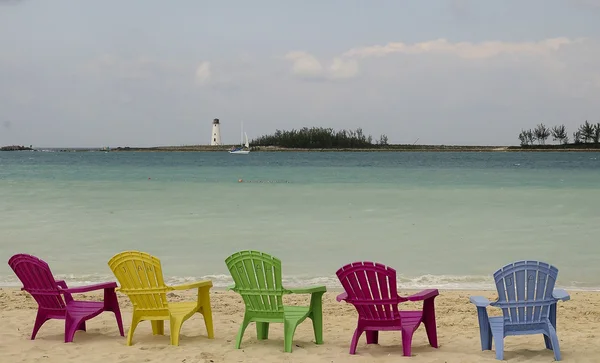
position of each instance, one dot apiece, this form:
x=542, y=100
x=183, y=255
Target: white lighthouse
x=215, y=139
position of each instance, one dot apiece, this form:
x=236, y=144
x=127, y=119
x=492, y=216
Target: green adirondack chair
x=257, y=278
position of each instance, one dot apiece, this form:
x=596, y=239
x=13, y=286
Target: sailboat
x=240, y=149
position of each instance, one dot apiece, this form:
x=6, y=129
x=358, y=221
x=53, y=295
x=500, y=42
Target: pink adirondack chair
x=54, y=297
x=371, y=288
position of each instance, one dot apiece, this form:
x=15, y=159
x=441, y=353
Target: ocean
x=441, y=219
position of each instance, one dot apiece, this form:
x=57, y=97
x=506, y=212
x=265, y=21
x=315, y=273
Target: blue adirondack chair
x=528, y=299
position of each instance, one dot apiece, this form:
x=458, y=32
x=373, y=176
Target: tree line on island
x=320, y=138
x=586, y=134
x=16, y=148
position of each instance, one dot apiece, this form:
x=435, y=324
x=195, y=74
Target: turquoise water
x=445, y=220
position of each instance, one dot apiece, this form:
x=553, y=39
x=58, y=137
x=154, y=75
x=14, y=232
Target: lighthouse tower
x=215, y=139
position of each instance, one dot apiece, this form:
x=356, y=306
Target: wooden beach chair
x=257, y=278
x=371, y=288
x=55, y=300
x=528, y=299
x=141, y=279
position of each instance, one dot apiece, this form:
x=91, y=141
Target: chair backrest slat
x=371, y=288
x=37, y=279
x=141, y=279
x=525, y=291
x=258, y=280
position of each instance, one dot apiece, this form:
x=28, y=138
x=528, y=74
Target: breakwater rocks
x=15, y=148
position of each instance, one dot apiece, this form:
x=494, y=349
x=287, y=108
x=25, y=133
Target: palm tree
x=541, y=133
x=530, y=135
x=596, y=135
x=587, y=131
x=523, y=138
x=560, y=133
x=577, y=137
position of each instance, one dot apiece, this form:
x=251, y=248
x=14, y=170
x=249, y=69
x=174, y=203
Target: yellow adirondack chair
x=141, y=279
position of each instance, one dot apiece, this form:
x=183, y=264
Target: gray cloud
x=77, y=82
x=439, y=91
x=587, y=3
x=460, y=8
x=11, y=2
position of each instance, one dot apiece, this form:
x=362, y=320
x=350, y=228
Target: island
x=320, y=139
x=15, y=148
x=586, y=137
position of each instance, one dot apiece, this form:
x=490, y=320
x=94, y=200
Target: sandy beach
x=458, y=334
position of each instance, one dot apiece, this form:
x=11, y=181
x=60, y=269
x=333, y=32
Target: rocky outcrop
x=15, y=148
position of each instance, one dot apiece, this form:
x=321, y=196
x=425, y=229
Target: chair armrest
x=342, y=297
x=308, y=290
x=62, y=284
x=560, y=294
x=88, y=288
x=423, y=295
x=193, y=285
x=231, y=287
x=479, y=301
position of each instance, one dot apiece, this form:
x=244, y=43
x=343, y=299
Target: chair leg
x=176, y=324
x=289, y=328
x=357, y=333
x=547, y=342
x=552, y=317
x=240, y=335
x=158, y=327
x=119, y=321
x=497, y=327
x=499, y=342
x=407, y=335
x=111, y=303
x=81, y=326
x=317, y=322
x=71, y=326
x=316, y=315
x=554, y=341
x=40, y=319
x=372, y=336
x=429, y=321
x=206, y=311
x=134, y=323
x=485, y=331
x=262, y=330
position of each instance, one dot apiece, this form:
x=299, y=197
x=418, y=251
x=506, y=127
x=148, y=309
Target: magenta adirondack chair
x=371, y=288
x=54, y=297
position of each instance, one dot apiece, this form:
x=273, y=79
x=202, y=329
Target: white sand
x=458, y=335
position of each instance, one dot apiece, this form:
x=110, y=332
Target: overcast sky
x=156, y=72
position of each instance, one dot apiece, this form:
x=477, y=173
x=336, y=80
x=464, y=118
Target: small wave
x=220, y=281
x=263, y=181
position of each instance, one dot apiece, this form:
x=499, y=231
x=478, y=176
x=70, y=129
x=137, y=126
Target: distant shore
x=15, y=148
x=387, y=148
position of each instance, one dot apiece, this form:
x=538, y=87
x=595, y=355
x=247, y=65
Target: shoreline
x=222, y=285
x=390, y=148
x=340, y=289
x=457, y=331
